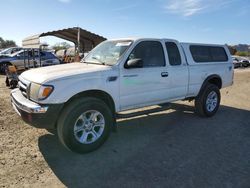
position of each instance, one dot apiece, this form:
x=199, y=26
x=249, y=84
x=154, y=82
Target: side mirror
x=134, y=63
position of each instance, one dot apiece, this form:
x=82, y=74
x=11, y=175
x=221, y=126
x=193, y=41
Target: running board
x=140, y=112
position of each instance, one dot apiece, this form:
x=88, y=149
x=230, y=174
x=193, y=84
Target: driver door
x=147, y=85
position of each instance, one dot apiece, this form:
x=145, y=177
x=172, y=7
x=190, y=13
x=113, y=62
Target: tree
x=232, y=50
x=7, y=43
x=243, y=53
x=61, y=46
x=1, y=42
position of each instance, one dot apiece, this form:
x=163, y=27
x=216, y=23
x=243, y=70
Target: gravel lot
x=171, y=148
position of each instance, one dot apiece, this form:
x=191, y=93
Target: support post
x=33, y=57
x=40, y=61
x=78, y=40
x=28, y=55
x=24, y=58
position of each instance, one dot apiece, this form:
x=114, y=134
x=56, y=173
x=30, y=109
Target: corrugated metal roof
x=88, y=40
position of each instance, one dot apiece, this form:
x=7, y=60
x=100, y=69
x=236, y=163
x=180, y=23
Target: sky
x=203, y=21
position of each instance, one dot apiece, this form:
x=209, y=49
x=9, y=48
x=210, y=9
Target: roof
x=88, y=40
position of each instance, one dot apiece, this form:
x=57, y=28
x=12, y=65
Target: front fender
x=65, y=89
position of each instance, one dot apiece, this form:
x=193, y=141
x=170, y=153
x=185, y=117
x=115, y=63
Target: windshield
x=108, y=53
x=6, y=51
x=10, y=51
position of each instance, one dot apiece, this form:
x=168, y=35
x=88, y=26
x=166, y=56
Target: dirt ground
x=171, y=148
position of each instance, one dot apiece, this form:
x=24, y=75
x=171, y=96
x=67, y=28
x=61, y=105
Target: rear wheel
x=84, y=125
x=208, y=101
x=245, y=65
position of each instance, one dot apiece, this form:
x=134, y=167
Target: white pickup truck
x=81, y=100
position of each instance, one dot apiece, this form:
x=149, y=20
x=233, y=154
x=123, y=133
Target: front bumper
x=40, y=116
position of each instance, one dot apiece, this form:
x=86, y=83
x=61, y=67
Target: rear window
x=208, y=54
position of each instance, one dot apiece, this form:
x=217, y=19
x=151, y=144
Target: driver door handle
x=164, y=74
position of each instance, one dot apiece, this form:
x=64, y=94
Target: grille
x=23, y=88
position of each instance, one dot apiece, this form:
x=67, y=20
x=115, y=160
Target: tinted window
x=151, y=53
x=173, y=53
x=21, y=54
x=42, y=54
x=208, y=54
x=218, y=54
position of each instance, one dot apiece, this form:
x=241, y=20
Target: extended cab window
x=174, y=56
x=150, y=52
x=208, y=54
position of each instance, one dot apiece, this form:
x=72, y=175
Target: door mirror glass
x=134, y=63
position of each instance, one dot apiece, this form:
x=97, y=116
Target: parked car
x=240, y=61
x=17, y=59
x=245, y=62
x=81, y=100
x=68, y=55
x=236, y=62
x=9, y=51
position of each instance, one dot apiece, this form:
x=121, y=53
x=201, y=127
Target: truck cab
x=161, y=77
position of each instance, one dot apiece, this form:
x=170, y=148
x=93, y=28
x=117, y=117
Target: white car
x=240, y=61
x=236, y=62
x=81, y=100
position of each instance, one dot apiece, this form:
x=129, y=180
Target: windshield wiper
x=93, y=62
x=95, y=58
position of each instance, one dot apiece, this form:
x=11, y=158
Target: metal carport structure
x=84, y=40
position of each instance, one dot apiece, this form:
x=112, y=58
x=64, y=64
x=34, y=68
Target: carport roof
x=87, y=38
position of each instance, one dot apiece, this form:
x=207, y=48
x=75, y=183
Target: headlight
x=40, y=92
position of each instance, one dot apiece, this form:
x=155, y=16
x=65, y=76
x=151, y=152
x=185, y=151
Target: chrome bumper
x=19, y=102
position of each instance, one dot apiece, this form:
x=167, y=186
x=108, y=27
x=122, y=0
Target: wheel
x=84, y=125
x=3, y=67
x=7, y=82
x=208, y=101
x=13, y=84
x=2, y=70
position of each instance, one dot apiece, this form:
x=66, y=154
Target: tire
x=208, y=101
x=13, y=84
x=77, y=131
x=3, y=67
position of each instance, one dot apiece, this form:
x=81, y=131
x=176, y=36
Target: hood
x=45, y=74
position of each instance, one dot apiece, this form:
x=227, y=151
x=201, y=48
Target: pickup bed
x=81, y=99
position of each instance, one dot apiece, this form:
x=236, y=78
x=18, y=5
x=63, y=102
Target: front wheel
x=208, y=101
x=84, y=125
x=3, y=67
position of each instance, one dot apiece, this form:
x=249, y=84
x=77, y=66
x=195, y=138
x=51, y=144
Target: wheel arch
x=99, y=94
x=212, y=79
x=3, y=65
x=7, y=62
